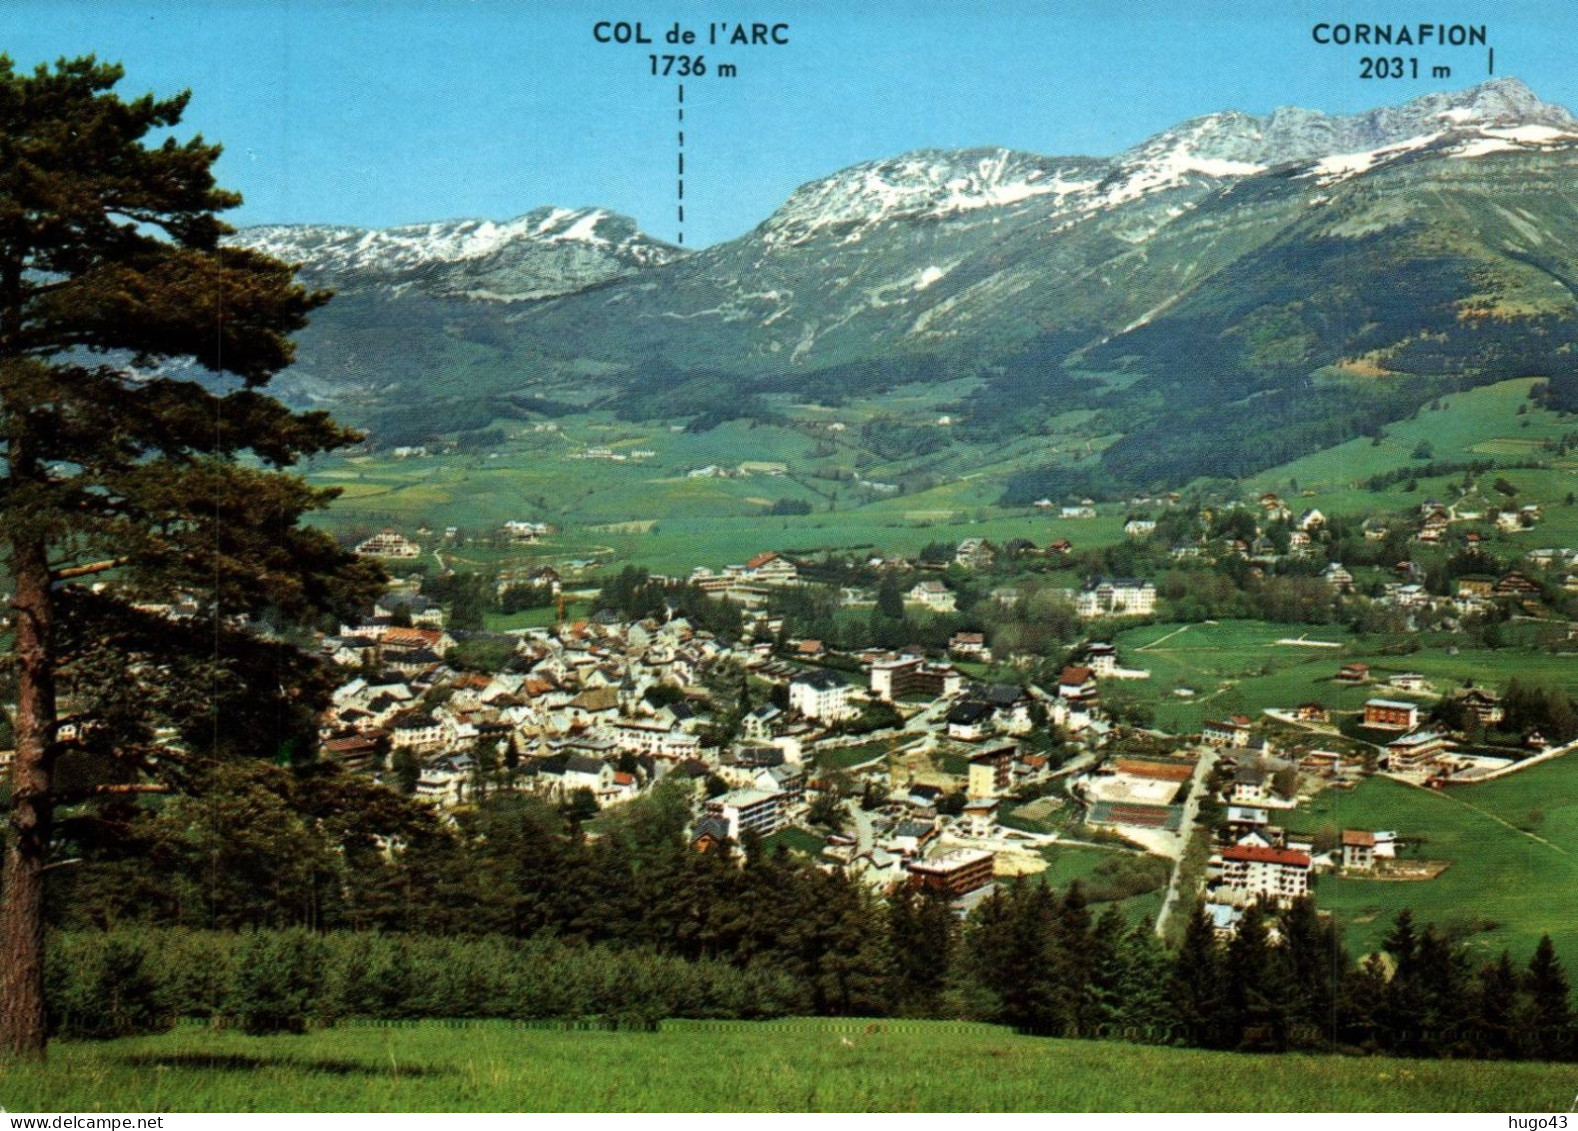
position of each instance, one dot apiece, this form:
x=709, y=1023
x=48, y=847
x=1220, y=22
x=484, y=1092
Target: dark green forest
x=277, y=899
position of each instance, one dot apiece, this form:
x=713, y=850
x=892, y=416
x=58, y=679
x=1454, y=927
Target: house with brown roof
x=1358, y=850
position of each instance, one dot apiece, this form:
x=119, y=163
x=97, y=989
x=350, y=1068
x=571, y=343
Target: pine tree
x=1496, y=1009
x=1311, y=963
x=1402, y=1020
x=112, y=275
x=1549, y=1026
x=1199, y=985
x=1256, y=996
x=1444, y=978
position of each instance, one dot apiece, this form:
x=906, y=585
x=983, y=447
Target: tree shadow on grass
x=242, y=1062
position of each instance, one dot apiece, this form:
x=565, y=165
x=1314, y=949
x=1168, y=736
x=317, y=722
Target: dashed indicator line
x=680, y=198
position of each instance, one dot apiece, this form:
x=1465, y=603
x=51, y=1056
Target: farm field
x=793, y=1065
x=646, y=508
x=1239, y=666
x=1513, y=844
x=1477, y=424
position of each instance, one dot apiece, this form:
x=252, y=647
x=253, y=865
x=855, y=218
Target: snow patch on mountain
x=927, y=184
x=548, y=251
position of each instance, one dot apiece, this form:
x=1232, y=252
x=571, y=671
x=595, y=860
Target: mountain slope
x=1273, y=282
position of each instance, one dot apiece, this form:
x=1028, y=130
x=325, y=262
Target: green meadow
x=1242, y=666
x=795, y=1065
x=1512, y=844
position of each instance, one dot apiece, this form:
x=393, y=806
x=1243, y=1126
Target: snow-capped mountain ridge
x=547, y=251
x=554, y=251
x=931, y=183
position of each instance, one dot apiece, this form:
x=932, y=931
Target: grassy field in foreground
x=798, y=1065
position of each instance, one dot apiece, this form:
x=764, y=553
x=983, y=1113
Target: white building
x=821, y=695
x=388, y=544
x=753, y=810
x=1278, y=873
x=1118, y=596
x=933, y=594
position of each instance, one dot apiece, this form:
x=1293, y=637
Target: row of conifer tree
x=293, y=914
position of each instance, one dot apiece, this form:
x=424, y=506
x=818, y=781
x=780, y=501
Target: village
x=934, y=767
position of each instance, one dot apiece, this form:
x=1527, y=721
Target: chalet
x=1080, y=510
x=357, y=751
x=525, y=532
x=1226, y=732
x=1060, y=546
x=1338, y=578
x=1139, y=527
x=1251, y=786
x=397, y=640
x=1077, y=685
x=444, y=781
x=1101, y=659
x=1311, y=712
x=1358, y=850
x=1390, y=714
x=1516, y=585
x=1353, y=673
x=1483, y=705
x=974, y=553
x=422, y=612
x=1409, y=681
x=710, y=834
x=565, y=773
x=934, y=595
x=967, y=643
x=923, y=796
x=1276, y=873
x=971, y=721
x=758, y=723
x=1311, y=519
x=772, y=569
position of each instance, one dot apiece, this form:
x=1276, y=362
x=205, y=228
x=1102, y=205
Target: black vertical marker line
x=680, y=184
x=1492, y=60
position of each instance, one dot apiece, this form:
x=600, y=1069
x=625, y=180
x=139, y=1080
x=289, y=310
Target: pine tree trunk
x=23, y=1031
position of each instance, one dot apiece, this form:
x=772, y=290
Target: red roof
x=1250, y=854
x=1357, y=838
x=1073, y=675
x=760, y=560
x=623, y=778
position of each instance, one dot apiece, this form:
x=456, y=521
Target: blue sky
x=402, y=111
